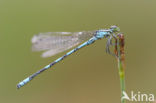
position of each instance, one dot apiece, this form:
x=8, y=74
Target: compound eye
x=115, y=28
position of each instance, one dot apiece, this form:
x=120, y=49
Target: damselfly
x=56, y=42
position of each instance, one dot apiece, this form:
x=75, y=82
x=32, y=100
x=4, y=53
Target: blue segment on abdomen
x=70, y=52
x=82, y=45
x=23, y=82
x=59, y=59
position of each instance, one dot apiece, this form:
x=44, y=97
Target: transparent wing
x=56, y=42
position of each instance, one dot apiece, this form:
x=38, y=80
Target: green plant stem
x=120, y=60
x=122, y=78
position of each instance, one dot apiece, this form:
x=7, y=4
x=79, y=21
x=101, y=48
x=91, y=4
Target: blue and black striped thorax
x=102, y=33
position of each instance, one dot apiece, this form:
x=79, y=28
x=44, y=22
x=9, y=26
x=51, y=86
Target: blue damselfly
x=56, y=42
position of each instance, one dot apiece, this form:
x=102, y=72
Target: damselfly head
x=114, y=28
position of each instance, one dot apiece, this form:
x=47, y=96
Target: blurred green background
x=88, y=76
